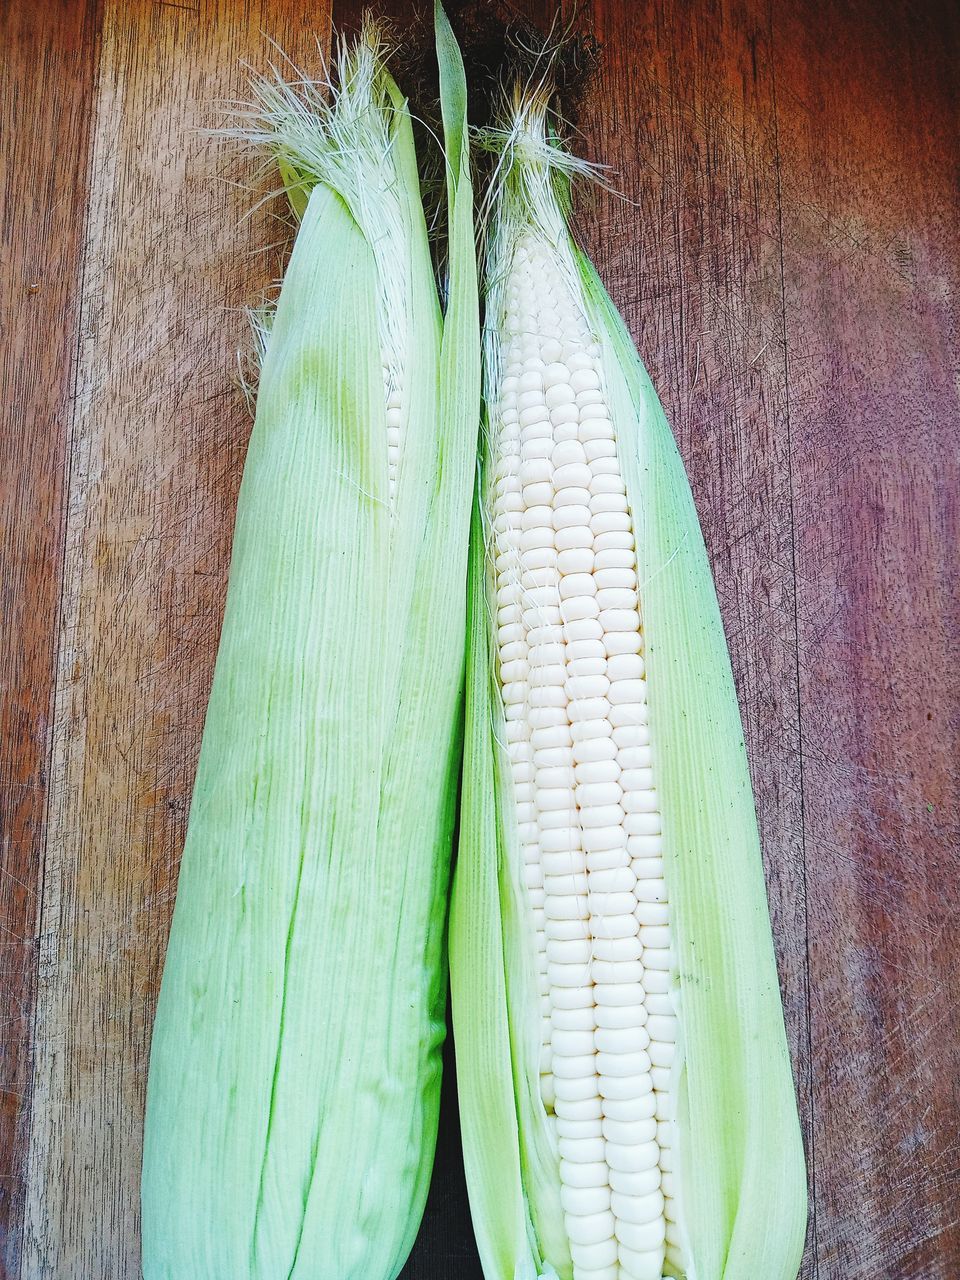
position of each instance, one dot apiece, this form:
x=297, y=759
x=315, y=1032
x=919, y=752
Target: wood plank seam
x=40, y=1235
x=62, y=51
x=92, y=42
x=60, y=691
x=811, y=1255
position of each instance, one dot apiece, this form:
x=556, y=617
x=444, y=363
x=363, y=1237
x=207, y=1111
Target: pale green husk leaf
x=294, y=1081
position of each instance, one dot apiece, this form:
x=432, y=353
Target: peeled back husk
x=739, y=1171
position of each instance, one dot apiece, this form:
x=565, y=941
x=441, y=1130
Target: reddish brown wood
x=868, y=140
x=49, y=56
x=789, y=266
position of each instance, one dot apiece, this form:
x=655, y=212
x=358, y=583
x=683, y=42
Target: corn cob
x=294, y=1079
x=626, y=1098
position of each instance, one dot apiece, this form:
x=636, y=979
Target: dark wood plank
x=867, y=108
x=155, y=457
x=49, y=56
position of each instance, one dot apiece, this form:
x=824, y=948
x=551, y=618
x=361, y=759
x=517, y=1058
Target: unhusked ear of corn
x=626, y=1096
x=294, y=1080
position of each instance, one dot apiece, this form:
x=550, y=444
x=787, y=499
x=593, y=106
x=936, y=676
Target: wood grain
x=155, y=455
x=868, y=145
x=787, y=258
x=49, y=52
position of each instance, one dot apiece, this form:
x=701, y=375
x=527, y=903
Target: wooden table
x=787, y=260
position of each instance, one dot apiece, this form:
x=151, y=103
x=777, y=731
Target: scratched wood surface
x=45, y=96
x=786, y=253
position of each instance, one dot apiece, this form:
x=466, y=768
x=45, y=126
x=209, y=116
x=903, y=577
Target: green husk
x=740, y=1181
x=294, y=1081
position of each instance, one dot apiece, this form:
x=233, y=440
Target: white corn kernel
x=590, y=1257
x=585, y=1199
x=589, y=1229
